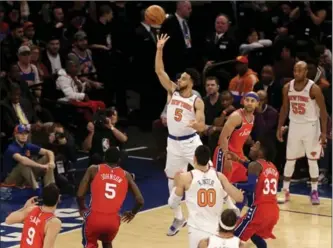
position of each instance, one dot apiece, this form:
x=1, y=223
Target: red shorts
x=99, y=226
x=259, y=220
x=238, y=172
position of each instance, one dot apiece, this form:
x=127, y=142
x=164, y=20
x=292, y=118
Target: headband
x=253, y=95
x=227, y=228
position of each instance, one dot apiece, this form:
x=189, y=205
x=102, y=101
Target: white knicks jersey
x=180, y=112
x=204, y=201
x=218, y=242
x=302, y=108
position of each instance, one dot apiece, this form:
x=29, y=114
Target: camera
x=100, y=117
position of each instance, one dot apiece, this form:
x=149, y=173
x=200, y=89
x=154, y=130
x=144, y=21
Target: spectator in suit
x=272, y=87
x=179, y=50
x=144, y=71
x=24, y=170
x=244, y=81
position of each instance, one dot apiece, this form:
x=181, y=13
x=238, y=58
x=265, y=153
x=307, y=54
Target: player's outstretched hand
x=127, y=217
x=161, y=40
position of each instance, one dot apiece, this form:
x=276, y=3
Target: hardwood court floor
x=301, y=225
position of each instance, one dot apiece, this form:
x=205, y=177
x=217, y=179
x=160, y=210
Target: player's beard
x=182, y=88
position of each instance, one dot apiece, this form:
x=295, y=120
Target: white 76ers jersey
x=218, y=242
x=180, y=112
x=302, y=108
x=204, y=200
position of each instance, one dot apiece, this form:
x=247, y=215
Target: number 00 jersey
x=302, y=108
x=267, y=184
x=180, y=112
x=108, y=190
x=34, y=228
x=204, y=200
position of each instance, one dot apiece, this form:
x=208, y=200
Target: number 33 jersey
x=180, y=112
x=108, y=190
x=267, y=184
x=34, y=228
x=303, y=109
x=204, y=200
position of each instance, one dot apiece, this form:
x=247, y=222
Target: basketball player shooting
x=108, y=184
x=40, y=225
x=185, y=117
x=263, y=177
x=304, y=101
x=204, y=190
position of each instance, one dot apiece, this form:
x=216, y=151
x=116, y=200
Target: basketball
x=155, y=15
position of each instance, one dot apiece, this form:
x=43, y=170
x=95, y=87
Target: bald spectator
x=272, y=87
x=220, y=45
x=244, y=81
x=266, y=118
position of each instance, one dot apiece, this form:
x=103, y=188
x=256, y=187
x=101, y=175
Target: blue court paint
x=150, y=179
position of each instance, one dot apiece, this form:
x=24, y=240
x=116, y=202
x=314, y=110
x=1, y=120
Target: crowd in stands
x=66, y=68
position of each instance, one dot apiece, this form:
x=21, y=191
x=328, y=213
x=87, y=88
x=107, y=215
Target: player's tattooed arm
x=199, y=123
x=204, y=243
x=233, y=121
x=159, y=65
x=283, y=112
x=84, y=186
x=317, y=94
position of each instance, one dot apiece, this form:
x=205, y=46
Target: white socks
x=177, y=211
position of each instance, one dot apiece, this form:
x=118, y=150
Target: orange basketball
x=155, y=15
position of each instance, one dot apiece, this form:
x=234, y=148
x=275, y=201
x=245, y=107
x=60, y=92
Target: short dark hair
x=195, y=76
x=226, y=93
x=50, y=195
x=268, y=149
x=104, y=10
x=228, y=218
x=213, y=78
x=202, y=154
x=112, y=155
x=14, y=87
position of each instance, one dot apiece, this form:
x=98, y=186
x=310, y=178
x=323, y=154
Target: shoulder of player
x=199, y=103
x=53, y=224
x=235, y=118
x=286, y=86
x=255, y=167
x=315, y=89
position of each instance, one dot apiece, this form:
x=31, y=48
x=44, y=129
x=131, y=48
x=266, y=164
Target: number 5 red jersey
x=108, y=190
x=267, y=184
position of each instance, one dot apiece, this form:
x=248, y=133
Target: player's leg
x=89, y=239
x=175, y=163
x=107, y=245
x=295, y=150
x=313, y=151
x=110, y=227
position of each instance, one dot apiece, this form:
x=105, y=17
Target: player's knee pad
x=313, y=168
x=289, y=168
x=170, y=185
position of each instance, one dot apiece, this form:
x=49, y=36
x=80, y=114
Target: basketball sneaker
x=176, y=226
x=283, y=197
x=314, y=197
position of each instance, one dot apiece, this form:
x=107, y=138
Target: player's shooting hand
x=31, y=202
x=161, y=40
x=127, y=217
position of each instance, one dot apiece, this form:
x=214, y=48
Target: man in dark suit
x=271, y=86
x=145, y=80
x=179, y=50
x=18, y=110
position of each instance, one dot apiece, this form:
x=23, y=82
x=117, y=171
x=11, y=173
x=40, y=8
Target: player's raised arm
x=199, y=123
x=317, y=94
x=129, y=215
x=18, y=216
x=84, y=186
x=283, y=112
x=53, y=227
x=233, y=121
x=231, y=190
x=159, y=65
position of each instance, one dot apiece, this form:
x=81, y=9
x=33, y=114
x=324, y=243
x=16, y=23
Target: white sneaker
x=176, y=226
x=283, y=197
